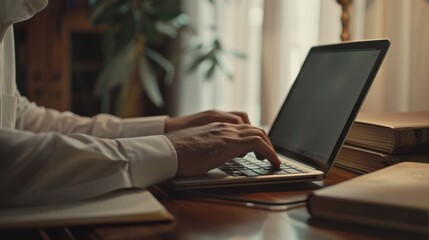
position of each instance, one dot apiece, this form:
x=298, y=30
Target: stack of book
x=377, y=140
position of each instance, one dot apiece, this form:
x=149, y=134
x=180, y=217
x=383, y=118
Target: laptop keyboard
x=251, y=166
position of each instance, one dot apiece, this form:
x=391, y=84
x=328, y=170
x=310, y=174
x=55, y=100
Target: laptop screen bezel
x=382, y=45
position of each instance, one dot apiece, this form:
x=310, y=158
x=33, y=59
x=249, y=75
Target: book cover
x=396, y=197
x=362, y=160
x=391, y=133
x=116, y=207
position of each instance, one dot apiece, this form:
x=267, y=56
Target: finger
x=251, y=130
x=227, y=118
x=259, y=146
x=259, y=156
x=254, y=132
x=244, y=117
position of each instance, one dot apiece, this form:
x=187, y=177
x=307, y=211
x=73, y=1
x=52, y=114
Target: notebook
x=312, y=124
x=116, y=207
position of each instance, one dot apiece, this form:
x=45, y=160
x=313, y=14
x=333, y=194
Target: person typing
x=50, y=157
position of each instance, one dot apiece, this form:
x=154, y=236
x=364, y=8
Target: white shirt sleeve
x=55, y=157
x=34, y=118
x=47, y=168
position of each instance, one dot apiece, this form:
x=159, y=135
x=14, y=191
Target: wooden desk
x=200, y=218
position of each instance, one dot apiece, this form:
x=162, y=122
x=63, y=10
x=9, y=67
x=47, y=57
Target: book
x=362, y=160
x=116, y=207
x=395, y=197
x=392, y=133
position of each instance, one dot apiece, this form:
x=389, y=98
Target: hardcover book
x=391, y=133
x=362, y=160
x=396, y=197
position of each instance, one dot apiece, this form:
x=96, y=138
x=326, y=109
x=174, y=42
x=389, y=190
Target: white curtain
x=291, y=27
x=275, y=35
x=239, y=25
x=403, y=82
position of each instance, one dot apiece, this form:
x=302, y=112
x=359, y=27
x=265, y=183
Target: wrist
x=167, y=125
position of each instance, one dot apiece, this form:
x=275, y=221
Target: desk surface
x=198, y=217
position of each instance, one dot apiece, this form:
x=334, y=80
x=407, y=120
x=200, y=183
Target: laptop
x=313, y=122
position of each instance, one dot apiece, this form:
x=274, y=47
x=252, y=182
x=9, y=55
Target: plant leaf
x=163, y=62
x=210, y=72
x=166, y=9
x=166, y=28
x=171, y=27
x=200, y=59
x=149, y=82
x=221, y=63
x=117, y=70
x=108, y=44
x=127, y=32
x=149, y=30
x=110, y=12
x=194, y=44
x=182, y=20
x=235, y=54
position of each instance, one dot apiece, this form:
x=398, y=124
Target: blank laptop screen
x=321, y=101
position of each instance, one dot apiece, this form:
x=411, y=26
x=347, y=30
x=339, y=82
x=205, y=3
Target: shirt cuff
x=144, y=126
x=153, y=159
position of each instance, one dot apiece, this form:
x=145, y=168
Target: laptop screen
x=324, y=100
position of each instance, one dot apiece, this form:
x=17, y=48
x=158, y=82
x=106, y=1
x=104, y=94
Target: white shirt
x=51, y=157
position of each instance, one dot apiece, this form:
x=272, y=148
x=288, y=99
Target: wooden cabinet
x=57, y=50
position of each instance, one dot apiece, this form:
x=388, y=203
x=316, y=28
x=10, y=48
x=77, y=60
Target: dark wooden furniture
x=199, y=217
x=59, y=57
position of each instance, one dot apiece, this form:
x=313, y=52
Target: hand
x=203, y=148
x=203, y=118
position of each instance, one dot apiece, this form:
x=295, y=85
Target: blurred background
x=176, y=57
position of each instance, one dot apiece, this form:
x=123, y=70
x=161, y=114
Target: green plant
x=133, y=29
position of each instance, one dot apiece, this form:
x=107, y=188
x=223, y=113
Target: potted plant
x=135, y=33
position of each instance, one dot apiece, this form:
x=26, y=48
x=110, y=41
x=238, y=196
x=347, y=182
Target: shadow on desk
x=271, y=194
